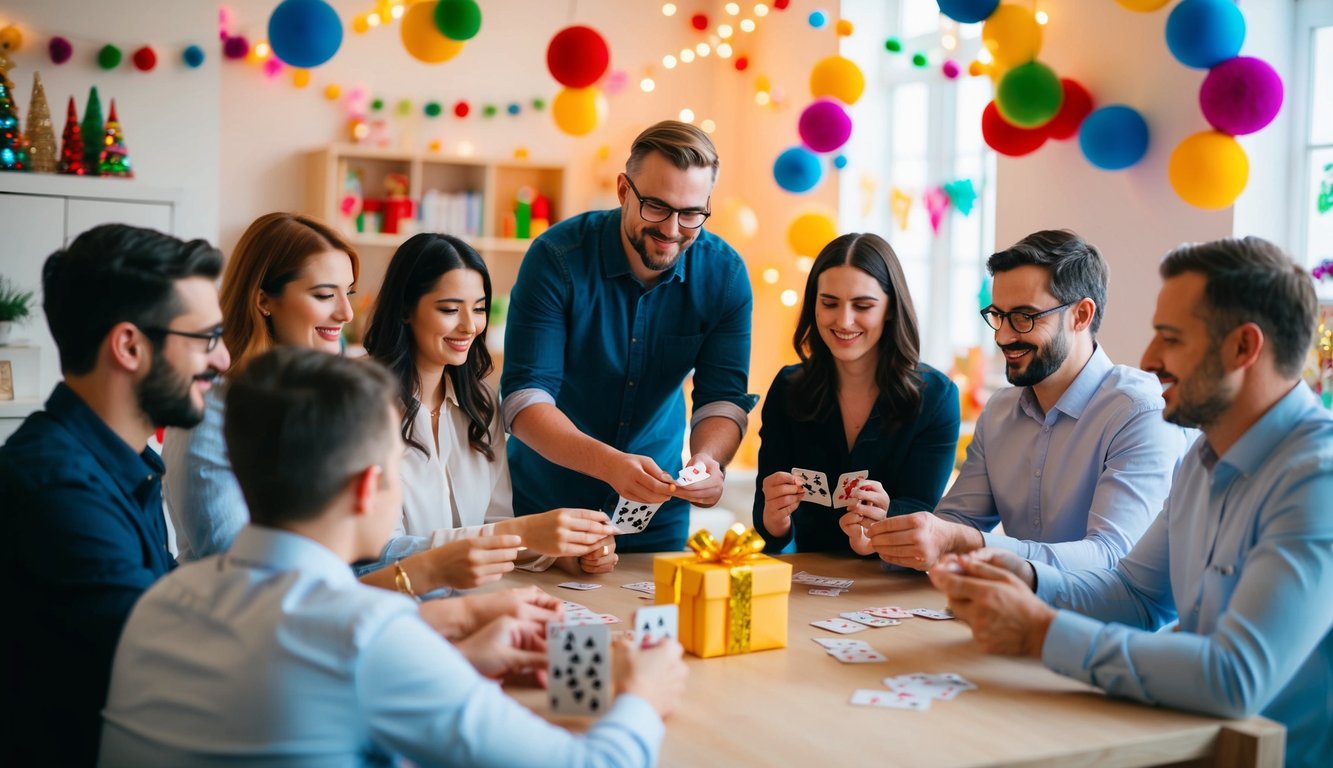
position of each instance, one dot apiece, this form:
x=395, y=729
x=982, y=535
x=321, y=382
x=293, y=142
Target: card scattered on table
x=579, y=585
x=841, y=626
x=633, y=516
x=888, y=612
x=856, y=652
x=862, y=617
x=577, y=615
x=944, y=686
x=801, y=577
x=814, y=486
x=646, y=587
x=870, y=697
x=578, y=668
x=826, y=592
x=931, y=613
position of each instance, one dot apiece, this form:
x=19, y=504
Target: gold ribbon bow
x=738, y=545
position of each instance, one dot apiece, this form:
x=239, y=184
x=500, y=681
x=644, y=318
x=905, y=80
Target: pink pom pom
x=235, y=48
x=1241, y=95
x=61, y=50
x=272, y=66
x=950, y=69
x=824, y=126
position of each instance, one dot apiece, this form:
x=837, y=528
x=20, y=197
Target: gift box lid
x=713, y=580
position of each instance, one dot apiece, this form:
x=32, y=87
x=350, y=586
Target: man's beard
x=1201, y=399
x=1043, y=362
x=164, y=395
x=640, y=244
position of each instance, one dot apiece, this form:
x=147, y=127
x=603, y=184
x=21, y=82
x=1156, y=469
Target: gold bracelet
x=403, y=581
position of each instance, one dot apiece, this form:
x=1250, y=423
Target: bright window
x=1314, y=37
x=916, y=130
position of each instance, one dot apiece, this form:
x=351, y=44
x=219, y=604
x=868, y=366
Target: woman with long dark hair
x=860, y=401
x=429, y=328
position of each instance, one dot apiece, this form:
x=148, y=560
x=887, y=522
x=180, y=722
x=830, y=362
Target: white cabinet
x=39, y=214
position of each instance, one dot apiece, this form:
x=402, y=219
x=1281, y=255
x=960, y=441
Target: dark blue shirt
x=584, y=333
x=912, y=462
x=85, y=535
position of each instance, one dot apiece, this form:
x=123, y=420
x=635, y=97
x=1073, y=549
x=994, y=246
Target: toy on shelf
x=350, y=200
x=531, y=215
x=397, y=205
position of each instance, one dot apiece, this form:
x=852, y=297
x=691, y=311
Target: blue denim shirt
x=85, y=536
x=1243, y=555
x=584, y=334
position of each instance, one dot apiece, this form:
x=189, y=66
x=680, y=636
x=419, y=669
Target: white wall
x=1133, y=216
x=170, y=115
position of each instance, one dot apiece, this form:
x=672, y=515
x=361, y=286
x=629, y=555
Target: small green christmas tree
x=115, y=158
x=92, y=133
x=13, y=150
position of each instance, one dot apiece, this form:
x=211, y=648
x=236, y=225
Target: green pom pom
x=539, y=104
x=893, y=45
x=109, y=57
x=404, y=107
x=489, y=110
x=458, y=19
x=1029, y=95
x=377, y=105
x=433, y=109
x=919, y=59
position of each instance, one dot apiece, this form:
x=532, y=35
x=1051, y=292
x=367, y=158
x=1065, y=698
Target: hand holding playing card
x=870, y=501
x=473, y=561
x=1005, y=616
x=639, y=478
x=707, y=489
x=655, y=674
x=919, y=539
x=560, y=532
x=602, y=558
x=782, y=494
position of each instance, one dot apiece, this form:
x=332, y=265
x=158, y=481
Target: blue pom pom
x=1113, y=137
x=512, y=109
x=304, y=33
x=818, y=19
x=840, y=162
x=797, y=170
x=968, y=11
x=1205, y=33
x=193, y=56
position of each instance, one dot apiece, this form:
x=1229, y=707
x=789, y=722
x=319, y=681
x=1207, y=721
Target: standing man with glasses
x=611, y=312
x=135, y=316
x=1075, y=458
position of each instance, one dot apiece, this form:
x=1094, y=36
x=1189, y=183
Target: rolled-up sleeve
x=535, y=333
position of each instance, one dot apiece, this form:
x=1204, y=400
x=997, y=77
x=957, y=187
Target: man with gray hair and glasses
x=1075, y=458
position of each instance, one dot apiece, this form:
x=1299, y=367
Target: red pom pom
x=577, y=56
x=461, y=109
x=1077, y=104
x=699, y=21
x=742, y=63
x=145, y=59
x=1009, y=139
x=781, y=5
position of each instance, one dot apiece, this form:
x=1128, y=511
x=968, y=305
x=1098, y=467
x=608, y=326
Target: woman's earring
x=264, y=312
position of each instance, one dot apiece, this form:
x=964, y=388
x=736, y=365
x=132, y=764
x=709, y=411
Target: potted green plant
x=15, y=307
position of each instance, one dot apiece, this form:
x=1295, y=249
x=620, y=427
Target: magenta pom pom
x=824, y=126
x=950, y=69
x=61, y=50
x=1241, y=95
x=236, y=47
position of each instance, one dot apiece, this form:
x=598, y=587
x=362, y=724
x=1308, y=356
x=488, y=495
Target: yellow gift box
x=732, y=599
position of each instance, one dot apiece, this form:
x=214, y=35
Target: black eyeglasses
x=212, y=337
x=655, y=211
x=1022, y=322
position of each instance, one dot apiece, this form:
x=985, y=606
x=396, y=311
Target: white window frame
x=1310, y=16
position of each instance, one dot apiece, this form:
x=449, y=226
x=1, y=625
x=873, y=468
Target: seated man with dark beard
x=135, y=316
x=1075, y=458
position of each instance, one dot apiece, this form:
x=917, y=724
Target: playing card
x=941, y=687
x=827, y=592
x=931, y=613
x=834, y=643
x=814, y=486
x=646, y=587
x=578, y=668
x=857, y=655
x=633, y=516
x=888, y=612
x=861, y=617
x=869, y=697
x=578, y=585
x=841, y=626
x=801, y=577
x=655, y=623
x=692, y=474
x=847, y=482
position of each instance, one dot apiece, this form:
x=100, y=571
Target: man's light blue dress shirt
x=1243, y=554
x=1074, y=487
x=275, y=655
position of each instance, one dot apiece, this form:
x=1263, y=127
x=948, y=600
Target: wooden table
x=790, y=707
